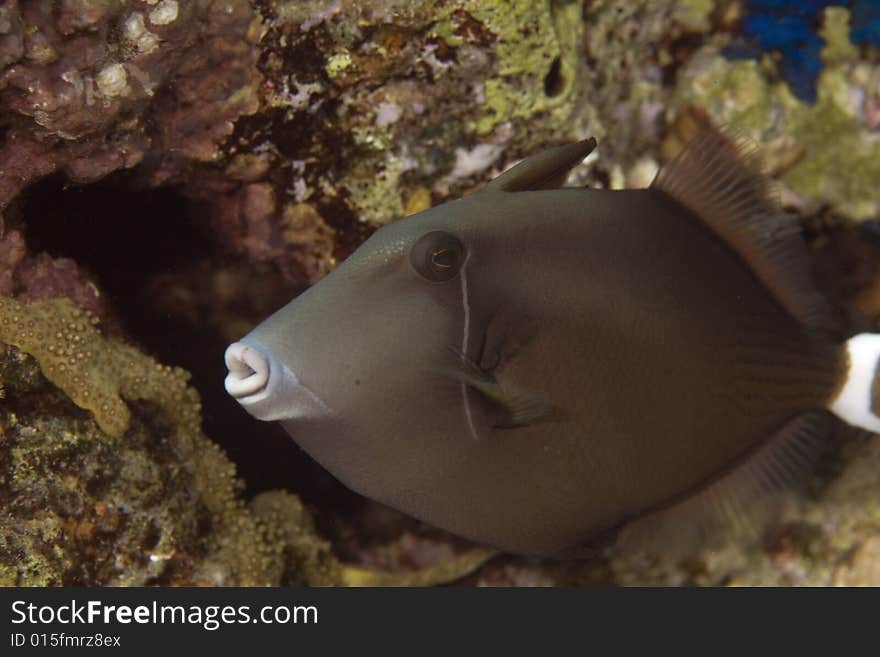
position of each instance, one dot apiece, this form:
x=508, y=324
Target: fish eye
x=437, y=256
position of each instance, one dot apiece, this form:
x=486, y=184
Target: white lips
x=265, y=386
x=248, y=370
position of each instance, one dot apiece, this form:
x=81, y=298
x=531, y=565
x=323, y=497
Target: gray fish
x=535, y=368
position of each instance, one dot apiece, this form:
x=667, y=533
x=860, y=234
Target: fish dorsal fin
x=718, y=178
x=742, y=500
x=546, y=170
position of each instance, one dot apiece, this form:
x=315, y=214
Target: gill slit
x=466, y=311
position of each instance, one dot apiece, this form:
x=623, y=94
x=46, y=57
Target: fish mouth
x=248, y=370
x=265, y=386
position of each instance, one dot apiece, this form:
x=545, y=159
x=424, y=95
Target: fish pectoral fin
x=742, y=501
x=516, y=408
x=507, y=334
x=546, y=170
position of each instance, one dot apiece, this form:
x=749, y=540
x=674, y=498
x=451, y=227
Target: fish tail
x=858, y=400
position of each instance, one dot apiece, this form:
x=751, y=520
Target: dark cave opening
x=554, y=81
x=125, y=238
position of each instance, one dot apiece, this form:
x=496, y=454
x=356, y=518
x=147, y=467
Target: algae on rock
x=829, y=149
x=134, y=494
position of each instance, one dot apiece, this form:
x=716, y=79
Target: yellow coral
x=418, y=200
x=94, y=371
x=97, y=373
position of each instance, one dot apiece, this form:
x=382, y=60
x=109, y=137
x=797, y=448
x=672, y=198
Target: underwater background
x=172, y=171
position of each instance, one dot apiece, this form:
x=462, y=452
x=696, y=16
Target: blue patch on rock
x=866, y=23
x=790, y=28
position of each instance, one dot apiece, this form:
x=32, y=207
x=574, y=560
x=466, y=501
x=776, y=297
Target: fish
x=538, y=368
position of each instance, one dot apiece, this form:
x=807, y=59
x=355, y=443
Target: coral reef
x=790, y=29
x=296, y=127
x=81, y=507
x=84, y=504
x=403, y=85
x=809, y=144
x=41, y=277
x=93, y=87
x=828, y=538
x=95, y=372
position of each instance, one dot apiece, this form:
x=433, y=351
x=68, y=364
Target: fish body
x=533, y=368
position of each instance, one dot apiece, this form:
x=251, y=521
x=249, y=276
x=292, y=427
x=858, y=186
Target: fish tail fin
x=858, y=399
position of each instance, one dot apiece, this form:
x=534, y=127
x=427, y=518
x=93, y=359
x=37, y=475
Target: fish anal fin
x=546, y=170
x=718, y=177
x=743, y=501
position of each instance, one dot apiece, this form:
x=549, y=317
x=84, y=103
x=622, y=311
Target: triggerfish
x=536, y=368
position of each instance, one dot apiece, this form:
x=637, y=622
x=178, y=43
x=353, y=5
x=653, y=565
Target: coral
x=82, y=505
x=629, y=46
x=161, y=505
x=304, y=559
x=412, y=89
x=535, y=49
x=829, y=538
x=416, y=561
x=41, y=277
x=95, y=372
x=79, y=507
x=92, y=87
x=73, y=486
x=349, y=107
x=812, y=143
x=790, y=27
x=866, y=21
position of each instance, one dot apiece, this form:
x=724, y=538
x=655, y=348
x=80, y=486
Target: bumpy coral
x=80, y=507
x=96, y=372
x=303, y=559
